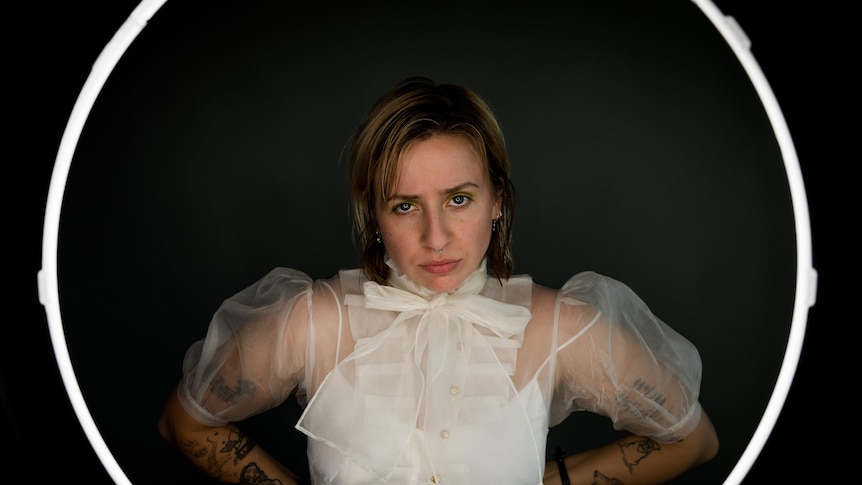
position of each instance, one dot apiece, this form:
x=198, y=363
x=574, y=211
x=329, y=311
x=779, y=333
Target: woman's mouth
x=441, y=266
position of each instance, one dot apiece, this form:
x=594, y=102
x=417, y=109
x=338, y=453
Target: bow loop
x=504, y=319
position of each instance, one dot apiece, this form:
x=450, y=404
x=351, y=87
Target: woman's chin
x=442, y=284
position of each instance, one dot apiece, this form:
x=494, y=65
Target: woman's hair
x=413, y=110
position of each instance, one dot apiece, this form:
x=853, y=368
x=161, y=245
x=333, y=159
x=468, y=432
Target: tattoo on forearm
x=219, y=450
x=193, y=449
x=600, y=479
x=253, y=474
x=239, y=444
x=215, y=462
x=231, y=394
x=206, y=455
x=636, y=450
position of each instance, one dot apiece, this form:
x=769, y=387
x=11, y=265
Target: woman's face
x=436, y=224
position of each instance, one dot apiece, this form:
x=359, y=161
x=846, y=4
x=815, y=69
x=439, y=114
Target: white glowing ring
x=47, y=277
x=806, y=275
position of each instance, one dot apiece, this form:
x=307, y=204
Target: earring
x=377, y=237
x=494, y=222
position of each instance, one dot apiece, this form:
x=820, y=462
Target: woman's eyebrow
x=456, y=188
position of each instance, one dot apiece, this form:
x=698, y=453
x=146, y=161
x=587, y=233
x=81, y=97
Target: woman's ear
x=498, y=202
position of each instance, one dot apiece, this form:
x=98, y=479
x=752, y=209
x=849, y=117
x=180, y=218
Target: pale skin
x=436, y=225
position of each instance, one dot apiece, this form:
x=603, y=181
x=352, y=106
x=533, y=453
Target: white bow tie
x=504, y=319
x=437, y=324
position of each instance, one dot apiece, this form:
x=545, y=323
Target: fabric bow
x=504, y=319
x=427, y=325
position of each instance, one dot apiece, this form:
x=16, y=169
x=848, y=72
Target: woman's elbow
x=707, y=438
x=171, y=413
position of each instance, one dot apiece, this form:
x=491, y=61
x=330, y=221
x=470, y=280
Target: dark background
x=798, y=50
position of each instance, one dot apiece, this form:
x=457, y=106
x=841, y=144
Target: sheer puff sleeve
x=617, y=359
x=252, y=357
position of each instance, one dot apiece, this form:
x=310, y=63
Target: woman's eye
x=403, y=207
x=459, y=200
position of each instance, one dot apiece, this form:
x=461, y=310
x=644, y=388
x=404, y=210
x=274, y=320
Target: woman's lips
x=441, y=266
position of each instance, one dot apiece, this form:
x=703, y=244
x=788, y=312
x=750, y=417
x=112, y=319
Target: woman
x=431, y=363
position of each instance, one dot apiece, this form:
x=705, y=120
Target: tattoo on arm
x=636, y=450
x=253, y=474
x=231, y=394
x=219, y=450
x=600, y=479
x=239, y=444
x=641, y=390
x=649, y=391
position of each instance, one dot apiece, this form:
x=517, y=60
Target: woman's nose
x=437, y=231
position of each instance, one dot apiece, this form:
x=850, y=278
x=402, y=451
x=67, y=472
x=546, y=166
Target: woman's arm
x=638, y=460
x=223, y=452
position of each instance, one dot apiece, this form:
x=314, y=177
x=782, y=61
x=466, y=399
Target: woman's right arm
x=251, y=360
x=222, y=452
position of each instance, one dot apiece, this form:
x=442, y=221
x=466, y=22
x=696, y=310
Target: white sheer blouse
x=400, y=385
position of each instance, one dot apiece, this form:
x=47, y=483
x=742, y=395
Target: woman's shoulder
x=543, y=305
x=592, y=288
x=543, y=295
x=580, y=296
x=292, y=295
x=282, y=282
x=348, y=281
x=287, y=275
x=584, y=283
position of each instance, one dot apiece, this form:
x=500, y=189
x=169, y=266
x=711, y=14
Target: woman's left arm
x=638, y=460
x=619, y=360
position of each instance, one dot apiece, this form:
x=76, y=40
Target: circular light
x=806, y=276
x=47, y=276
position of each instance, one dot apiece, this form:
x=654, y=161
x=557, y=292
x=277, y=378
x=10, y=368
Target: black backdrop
x=113, y=231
